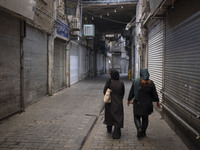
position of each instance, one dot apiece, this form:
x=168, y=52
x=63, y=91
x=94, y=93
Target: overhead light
x=108, y=14
x=115, y=10
x=122, y=7
x=92, y=18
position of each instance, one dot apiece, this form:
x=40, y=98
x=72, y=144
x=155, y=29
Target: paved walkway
x=63, y=121
x=159, y=135
x=59, y=122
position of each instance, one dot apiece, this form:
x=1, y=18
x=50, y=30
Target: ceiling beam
x=109, y=2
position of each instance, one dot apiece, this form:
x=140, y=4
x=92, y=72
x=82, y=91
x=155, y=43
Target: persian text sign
x=61, y=28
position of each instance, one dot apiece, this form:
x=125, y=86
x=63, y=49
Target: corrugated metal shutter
x=35, y=65
x=155, y=54
x=74, y=62
x=182, y=69
x=116, y=61
x=93, y=64
x=59, y=65
x=99, y=64
x=108, y=64
x=9, y=65
x=182, y=65
x=123, y=65
x=82, y=62
x=90, y=63
x=127, y=65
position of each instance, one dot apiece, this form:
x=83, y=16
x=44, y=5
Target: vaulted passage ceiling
x=109, y=16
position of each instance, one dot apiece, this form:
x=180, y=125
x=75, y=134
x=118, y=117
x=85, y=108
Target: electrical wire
x=116, y=21
x=44, y=13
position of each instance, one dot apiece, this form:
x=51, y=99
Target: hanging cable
x=107, y=18
x=44, y=13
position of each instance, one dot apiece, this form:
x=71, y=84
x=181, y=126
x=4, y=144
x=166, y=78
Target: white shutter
x=155, y=54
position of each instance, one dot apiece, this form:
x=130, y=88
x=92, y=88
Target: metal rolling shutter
x=99, y=64
x=116, y=60
x=35, y=65
x=9, y=65
x=123, y=65
x=108, y=62
x=127, y=65
x=59, y=79
x=74, y=62
x=155, y=54
x=182, y=70
x=182, y=63
x=82, y=65
x=93, y=64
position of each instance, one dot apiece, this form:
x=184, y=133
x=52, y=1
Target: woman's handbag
x=107, y=96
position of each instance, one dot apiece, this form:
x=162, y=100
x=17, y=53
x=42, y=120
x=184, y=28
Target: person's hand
x=128, y=102
x=158, y=104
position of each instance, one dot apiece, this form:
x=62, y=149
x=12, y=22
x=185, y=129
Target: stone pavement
x=59, y=122
x=64, y=121
x=159, y=135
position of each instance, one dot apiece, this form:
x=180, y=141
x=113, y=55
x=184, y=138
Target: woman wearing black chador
x=114, y=113
x=144, y=92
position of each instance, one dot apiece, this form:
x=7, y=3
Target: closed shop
x=100, y=64
x=10, y=94
x=116, y=61
x=182, y=71
x=90, y=60
x=74, y=62
x=93, y=64
x=59, y=65
x=127, y=65
x=123, y=65
x=83, y=62
x=108, y=64
x=35, y=65
x=155, y=54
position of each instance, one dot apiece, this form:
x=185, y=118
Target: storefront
x=155, y=54
x=74, y=59
x=35, y=65
x=10, y=94
x=59, y=64
x=182, y=60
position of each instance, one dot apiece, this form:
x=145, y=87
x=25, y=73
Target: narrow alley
x=64, y=122
x=56, y=56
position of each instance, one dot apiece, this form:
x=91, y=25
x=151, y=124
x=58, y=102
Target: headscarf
x=114, y=75
x=144, y=74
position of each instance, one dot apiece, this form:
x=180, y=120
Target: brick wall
x=43, y=18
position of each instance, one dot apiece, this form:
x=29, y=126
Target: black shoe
x=143, y=134
x=116, y=137
x=139, y=135
x=109, y=129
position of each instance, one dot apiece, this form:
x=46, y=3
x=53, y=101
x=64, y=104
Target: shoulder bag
x=107, y=96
